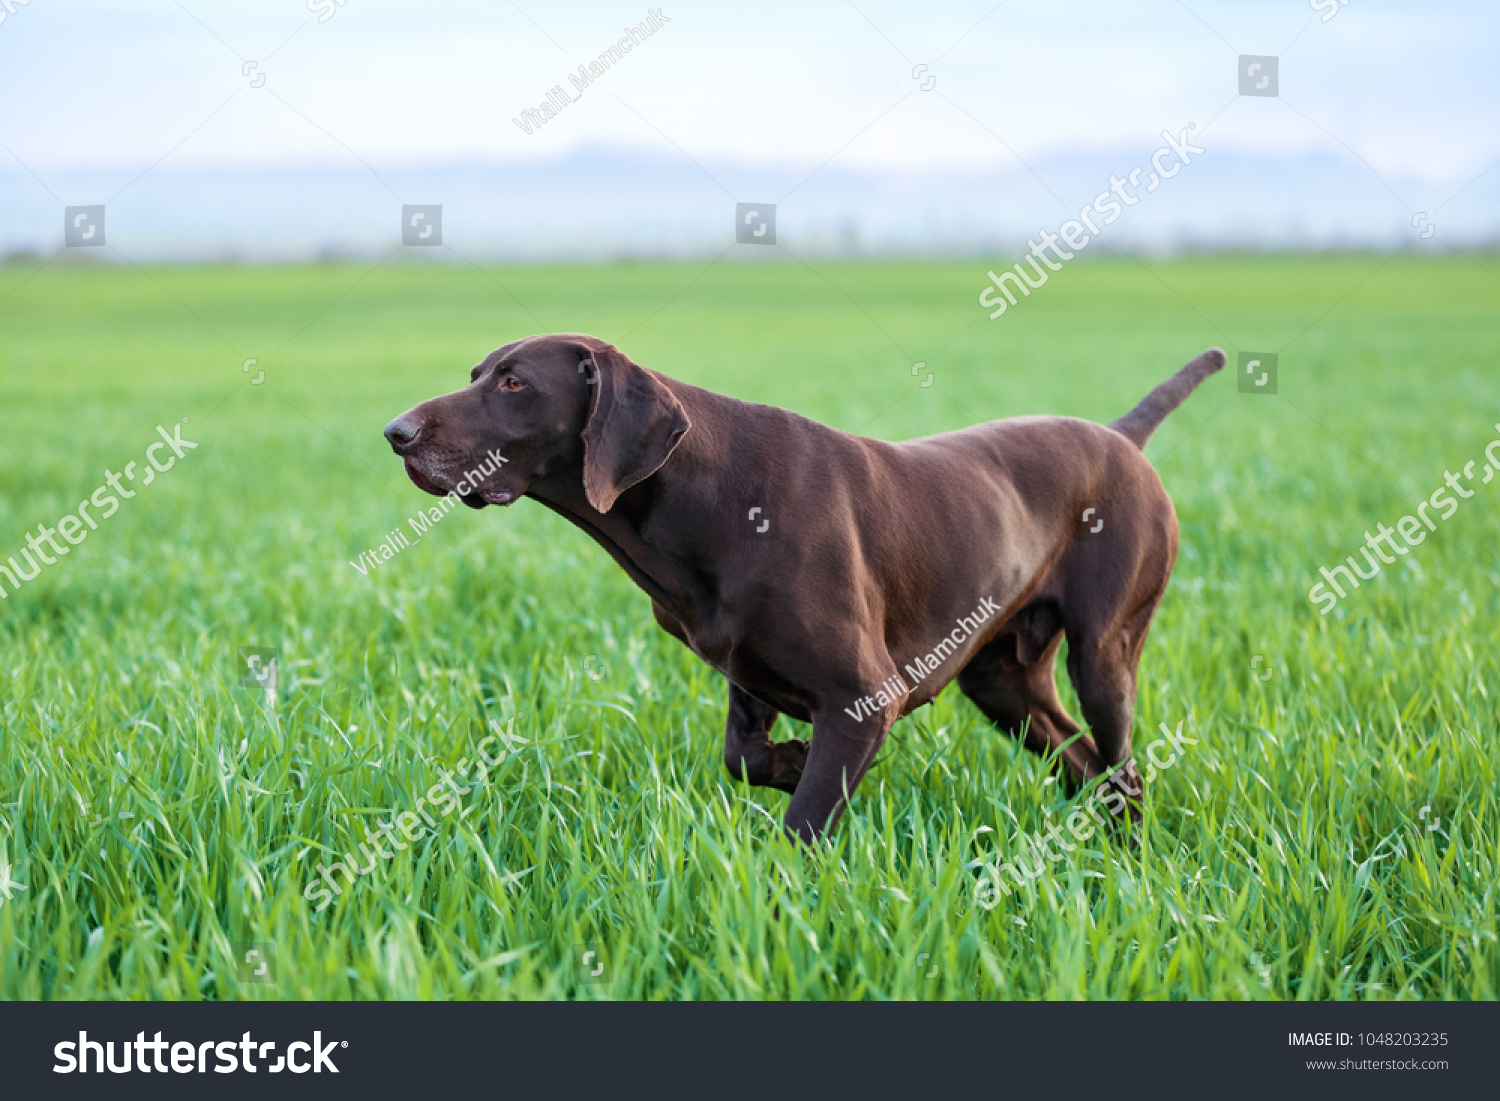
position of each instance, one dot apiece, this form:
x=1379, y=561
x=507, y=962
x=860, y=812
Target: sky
x=255, y=128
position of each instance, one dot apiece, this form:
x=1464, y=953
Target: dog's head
x=547, y=405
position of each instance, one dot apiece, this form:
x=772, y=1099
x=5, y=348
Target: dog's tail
x=1138, y=424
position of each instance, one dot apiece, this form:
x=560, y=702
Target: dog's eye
x=510, y=382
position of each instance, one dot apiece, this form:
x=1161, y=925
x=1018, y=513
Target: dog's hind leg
x=1011, y=680
x=1102, y=663
x=750, y=754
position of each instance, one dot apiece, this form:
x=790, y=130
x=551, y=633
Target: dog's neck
x=651, y=567
x=672, y=564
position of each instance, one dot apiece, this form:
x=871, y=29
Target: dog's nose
x=401, y=432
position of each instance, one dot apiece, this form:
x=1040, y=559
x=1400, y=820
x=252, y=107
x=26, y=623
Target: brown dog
x=840, y=580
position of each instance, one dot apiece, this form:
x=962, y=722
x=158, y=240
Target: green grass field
x=158, y=815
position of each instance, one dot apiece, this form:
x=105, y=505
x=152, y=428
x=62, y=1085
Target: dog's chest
x=713, y=644
x=730, y=654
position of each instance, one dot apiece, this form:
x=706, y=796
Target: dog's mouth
x=487, y=497
x=420, y=480
x=477, y=499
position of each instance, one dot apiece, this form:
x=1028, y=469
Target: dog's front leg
x=843, y=747
x=749, y=753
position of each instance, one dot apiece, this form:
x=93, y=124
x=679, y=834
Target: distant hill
x=605, y=202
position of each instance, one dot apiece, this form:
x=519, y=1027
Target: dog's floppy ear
x=634, y=424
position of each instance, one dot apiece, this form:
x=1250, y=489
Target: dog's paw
x=788, y=759
x=1128, y=789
